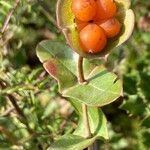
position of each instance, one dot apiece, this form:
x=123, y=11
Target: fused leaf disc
x=66, y=23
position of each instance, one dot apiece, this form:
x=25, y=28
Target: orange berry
x=105, y=9
x=92, y=38
x=84, y=10
x=80, y=24
x=111, y=27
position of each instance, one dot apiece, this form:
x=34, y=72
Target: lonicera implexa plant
x=92, y=28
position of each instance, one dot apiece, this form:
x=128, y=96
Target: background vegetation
x=33, y=113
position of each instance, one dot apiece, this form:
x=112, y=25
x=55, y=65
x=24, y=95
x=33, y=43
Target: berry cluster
x=95, y=23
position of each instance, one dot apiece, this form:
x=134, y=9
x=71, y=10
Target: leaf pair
x=102, y=88
x=76, y=141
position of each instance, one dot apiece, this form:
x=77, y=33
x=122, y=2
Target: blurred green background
x=46, y=115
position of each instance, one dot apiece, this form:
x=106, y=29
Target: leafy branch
x=8, y=17
x=102, y=87
x=11, y=98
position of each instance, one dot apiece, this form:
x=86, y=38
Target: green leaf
x=103, y=88
x=49, y=109
x=146, y=122
x=71, y=142
x=5, y=4
x=146, y=37
x=130, y=84
x=134, y=105
x=144, y=84
x=146, y=139
x=97, y=120
x=123, y=5
x=60, y=62
x=7, y=122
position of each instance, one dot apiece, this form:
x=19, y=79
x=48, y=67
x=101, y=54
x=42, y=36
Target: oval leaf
x=59, y=61
x=61, y=64
x=103, y=88
x=71, y=142
x=97, y=121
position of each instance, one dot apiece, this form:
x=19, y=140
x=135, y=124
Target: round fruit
x=105, y=9
x=84, y=10
x=80, y=24
x=111, y=27
x=92, y=38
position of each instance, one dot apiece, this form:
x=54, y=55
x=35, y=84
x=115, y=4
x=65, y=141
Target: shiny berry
x=84, y=10
x=105, y=9
x=80, y=24
x=92, y=38
x=111, y=27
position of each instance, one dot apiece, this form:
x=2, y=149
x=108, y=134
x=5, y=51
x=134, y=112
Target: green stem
x=84, y=106
x=20, y=112
x=86, y=121
x=8, y=17
x=80, y=70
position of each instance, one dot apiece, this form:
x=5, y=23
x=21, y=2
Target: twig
x=6, y=22
x=17, y=108
x=21, y=114
x=7, y=112
x=84, y=106
x=19, y=111
x=46, y=11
